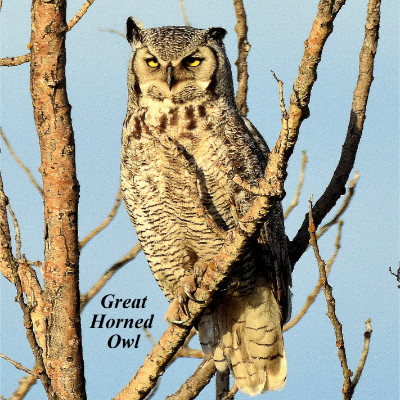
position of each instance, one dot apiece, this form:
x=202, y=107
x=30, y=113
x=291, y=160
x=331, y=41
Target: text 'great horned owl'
x=181, y=134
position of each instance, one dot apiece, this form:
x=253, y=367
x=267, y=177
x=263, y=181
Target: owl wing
x=272, y=239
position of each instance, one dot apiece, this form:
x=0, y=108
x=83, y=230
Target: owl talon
x=199, y=271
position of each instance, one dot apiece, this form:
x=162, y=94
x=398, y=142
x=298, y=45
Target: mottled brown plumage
x=183, y=141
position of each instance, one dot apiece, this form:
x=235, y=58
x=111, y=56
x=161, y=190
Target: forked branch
x=348, y=384
x=336, y=186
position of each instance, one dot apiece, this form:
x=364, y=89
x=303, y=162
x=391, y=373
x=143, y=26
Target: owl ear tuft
x=217, y=33
x=133, y=30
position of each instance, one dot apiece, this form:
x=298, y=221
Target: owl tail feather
x=244, y=333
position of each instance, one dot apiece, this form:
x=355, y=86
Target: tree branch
x=295, y=201
x=184, y=15
x=80, y=13
x=85, y=298
x=103, y=224
x=346, y=202
x=311, y=298
x=337, y=184
x=364, y=354
x=243, y=51
x=23, y=388
x=196, y=383
x=14, y=61
x=330, y=301
x=19, y=366
x=20, y=163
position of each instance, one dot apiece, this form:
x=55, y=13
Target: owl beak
x=170, y=78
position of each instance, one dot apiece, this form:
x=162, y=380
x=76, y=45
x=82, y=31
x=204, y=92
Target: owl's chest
x=170, y=156
x=171, y=139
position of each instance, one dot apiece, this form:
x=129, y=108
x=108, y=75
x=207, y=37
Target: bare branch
x=343, y=207
x=330, y=301
x=35, y=342
x=19, y=366
x=311, y=298
x=14, y=61
x=20, y=163
x=241, y=63
x=232, y=393
x=17, y=231
x=23, y=388
x=80, y=13
x=105, y=223
x=149, y=337
x=295, y=201
x=364, y=354
x=114, y=32
x=7, y=258
x=337, y=184
x=184, y=15
x=193, y=386
x=85, y=298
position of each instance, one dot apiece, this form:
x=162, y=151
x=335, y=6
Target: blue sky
x=96, y=81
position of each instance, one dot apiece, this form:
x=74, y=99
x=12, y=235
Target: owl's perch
x=219, y=269
x=336, y=186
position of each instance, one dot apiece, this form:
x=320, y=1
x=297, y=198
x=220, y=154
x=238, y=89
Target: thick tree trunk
x=62, y=354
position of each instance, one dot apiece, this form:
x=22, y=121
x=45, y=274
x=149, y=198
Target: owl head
x=178, y=64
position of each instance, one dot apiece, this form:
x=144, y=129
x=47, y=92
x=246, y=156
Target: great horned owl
x=183, y=139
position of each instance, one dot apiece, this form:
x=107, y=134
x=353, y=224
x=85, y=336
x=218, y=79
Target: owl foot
x=178, y=311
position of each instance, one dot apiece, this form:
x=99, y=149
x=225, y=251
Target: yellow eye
x=192, y=61
x=152, y=62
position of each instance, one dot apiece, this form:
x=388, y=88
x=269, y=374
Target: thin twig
x=350, y=192
x=183, y=11
x=113, y=31
x=19, y=366
x=295, y=201
x=243, y=51
x=330, y=301
x=364, y=354
x=105, y=223
x=7, y=260
x=149, y=337
x=85, y=298
x=17, y=231
x=311, y=298
x=20, y=163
